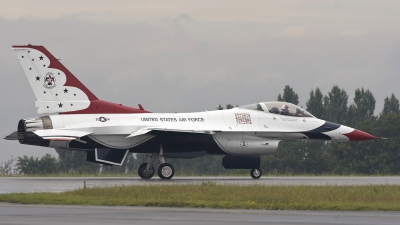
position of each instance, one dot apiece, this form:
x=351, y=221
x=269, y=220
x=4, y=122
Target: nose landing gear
x=255, y=173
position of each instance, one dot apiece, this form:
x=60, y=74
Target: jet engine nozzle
x=27, y=126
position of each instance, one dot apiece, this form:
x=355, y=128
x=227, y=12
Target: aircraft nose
x=358, y=135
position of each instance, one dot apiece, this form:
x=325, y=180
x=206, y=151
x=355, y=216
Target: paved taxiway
x=61, y=184
x=60, y=215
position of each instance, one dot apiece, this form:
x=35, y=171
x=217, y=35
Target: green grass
x=210, y=195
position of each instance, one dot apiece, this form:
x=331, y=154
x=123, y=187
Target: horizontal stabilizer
x=60, y=135
x=12, y=136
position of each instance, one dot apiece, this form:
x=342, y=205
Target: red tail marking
x=96, y=105
x=55, y=64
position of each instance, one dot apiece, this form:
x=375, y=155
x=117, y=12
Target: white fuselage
x=228, y=127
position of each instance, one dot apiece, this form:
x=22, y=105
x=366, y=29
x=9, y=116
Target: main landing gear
x=146, y=171
x=165, y=170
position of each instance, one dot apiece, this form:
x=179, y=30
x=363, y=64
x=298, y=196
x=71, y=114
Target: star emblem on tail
x=49, y=81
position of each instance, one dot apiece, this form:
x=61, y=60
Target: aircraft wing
x=146, y=130
x=60, y=135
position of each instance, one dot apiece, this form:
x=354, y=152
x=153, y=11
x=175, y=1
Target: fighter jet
x=75, y=119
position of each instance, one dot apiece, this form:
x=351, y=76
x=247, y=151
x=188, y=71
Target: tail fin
x=56, y=89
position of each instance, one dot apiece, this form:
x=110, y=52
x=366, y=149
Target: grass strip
x=210, y=195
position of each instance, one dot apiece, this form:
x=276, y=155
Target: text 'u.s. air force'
x=162, y=119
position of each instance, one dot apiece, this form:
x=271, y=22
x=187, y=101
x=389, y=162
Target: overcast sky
x=183, y=56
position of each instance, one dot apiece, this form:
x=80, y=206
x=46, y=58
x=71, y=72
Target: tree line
x=292, y=157
x=67, y=162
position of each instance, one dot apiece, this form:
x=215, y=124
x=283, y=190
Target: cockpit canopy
x=281, y=108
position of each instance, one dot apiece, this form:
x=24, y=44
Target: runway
x=63, y=214
x=56, y=214
x=61, y=184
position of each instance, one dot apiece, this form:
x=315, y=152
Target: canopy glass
x=282, y=108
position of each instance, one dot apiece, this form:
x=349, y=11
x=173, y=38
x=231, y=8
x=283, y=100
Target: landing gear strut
x=255, y=173
x=165, y=170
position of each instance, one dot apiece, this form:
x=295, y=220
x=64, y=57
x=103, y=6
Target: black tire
x=145, y=174
x=166, y=171
x=255, y=173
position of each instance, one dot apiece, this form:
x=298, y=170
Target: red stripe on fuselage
x=100, y=106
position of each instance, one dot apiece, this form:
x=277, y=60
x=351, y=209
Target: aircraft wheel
x=166, y=171
x=144, y=173
x=255, y=173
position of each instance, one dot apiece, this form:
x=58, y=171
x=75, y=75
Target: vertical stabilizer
x=56, y=89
